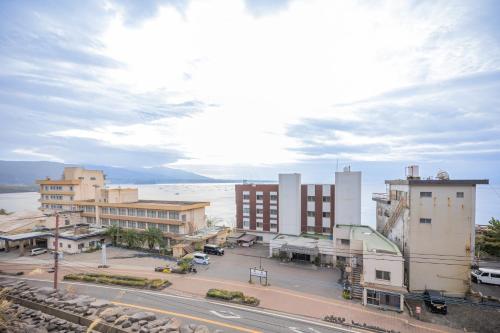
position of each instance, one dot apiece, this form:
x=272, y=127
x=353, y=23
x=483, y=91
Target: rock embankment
x=99, y=314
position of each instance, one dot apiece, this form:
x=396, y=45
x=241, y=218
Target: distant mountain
x=26, y=172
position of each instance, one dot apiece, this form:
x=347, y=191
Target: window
x=326, y=230
x=162, y=214
x=246, y=210
x=259, y=238
x=372, y=297
x=274, y=197
x=273, y=212
x=92, y=178
x=260, y=211
x=260, y=197
x=81, y=246
x=345, y=241
x=460, y=194
x=132, y=224
x=260, y=225
x=174, y=229
x=141, y=212
x=382, y=275
x=71, y=188
x=163, y=227
x=326, y=214
x=173, y=215
x=66, y=222
x=326, y=199
x=426, y=194
x=131, y=212
x=183, y=216
x=122, y=224
x=60, y=245
x=122, y=211
x=69, y=246
x=310, y=229
x=493, y=275
x=141, y=225
x=311, y=214
x=425, y=221
x=246, y=196
x=246, y=223
x=105, y=210
x=112, y=210
x=311, y=198
x=151, y=213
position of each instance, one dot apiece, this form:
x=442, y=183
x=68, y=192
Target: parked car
x=213, y=249
x=37, y=251
x=201, y=258
x=435, y=301
x=486, y=275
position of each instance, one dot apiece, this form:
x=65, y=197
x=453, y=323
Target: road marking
x=208, y=321
x=225, y=314
x=243, y=308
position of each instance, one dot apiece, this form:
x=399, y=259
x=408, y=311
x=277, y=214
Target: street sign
x=258, y=272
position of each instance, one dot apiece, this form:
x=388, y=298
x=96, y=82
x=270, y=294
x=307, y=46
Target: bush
x=121, y=280
x=233, y=296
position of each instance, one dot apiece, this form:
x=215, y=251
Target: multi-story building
x=293, y=208
x=374, y=263
x=83, y=190
x=432, y=221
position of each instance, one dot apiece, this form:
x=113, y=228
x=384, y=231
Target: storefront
x=383, y=299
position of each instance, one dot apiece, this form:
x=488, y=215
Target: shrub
x=233, y=296
x=120, y=280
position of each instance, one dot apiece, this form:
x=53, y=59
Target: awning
x=300, y=249
x=247, y=238
x=24, y=236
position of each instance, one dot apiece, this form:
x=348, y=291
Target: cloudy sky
x=244, y=89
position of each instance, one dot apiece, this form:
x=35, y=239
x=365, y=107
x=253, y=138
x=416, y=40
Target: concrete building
x=375, y=265
x=433, y=223
x=289, y=208
x=307, y=249
x=79, y=239
x=83, y=191
x=348, y=197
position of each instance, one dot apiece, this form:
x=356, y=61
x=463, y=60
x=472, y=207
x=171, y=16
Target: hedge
x=233, y=296
x=121, y=280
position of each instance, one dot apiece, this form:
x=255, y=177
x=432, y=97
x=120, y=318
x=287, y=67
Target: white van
x=486, y=275
x=200, y=258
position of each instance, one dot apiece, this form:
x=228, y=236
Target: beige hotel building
x=84, y=191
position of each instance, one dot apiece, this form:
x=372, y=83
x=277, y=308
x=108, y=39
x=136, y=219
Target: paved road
x=216, y=315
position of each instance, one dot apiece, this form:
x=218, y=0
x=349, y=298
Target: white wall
x=383, y=262
x=348, y=197
x=289, y=204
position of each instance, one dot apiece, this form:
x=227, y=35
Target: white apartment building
x=348, y=197
x=433, y=223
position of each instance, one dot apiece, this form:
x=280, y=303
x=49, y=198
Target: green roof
x=373, y=241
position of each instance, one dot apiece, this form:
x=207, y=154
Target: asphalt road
x=215, y=315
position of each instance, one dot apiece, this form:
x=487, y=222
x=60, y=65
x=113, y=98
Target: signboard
x=258, y=272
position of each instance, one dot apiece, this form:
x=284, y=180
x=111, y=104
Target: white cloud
x=33, y=153
x=264, y=73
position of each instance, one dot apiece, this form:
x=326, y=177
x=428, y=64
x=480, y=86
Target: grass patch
x=233, y=296
x=120, y=280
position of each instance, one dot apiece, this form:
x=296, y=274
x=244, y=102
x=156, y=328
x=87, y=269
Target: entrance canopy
x=247, y=238
x=24, y=236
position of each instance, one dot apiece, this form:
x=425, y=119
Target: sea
x=222, y=207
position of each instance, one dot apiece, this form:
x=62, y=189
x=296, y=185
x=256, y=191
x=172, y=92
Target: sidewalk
x=272, y=298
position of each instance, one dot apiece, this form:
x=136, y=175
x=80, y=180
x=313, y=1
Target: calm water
x=222, y=201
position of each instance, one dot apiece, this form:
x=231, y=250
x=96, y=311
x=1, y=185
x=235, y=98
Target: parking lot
x=234, y=265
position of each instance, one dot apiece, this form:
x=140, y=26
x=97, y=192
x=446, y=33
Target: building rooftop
x=455, y=182
x=152, y=204
x=23, y=236
x=81, y=233
x=373, y=241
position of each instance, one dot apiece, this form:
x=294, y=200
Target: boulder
x=46, y=291
x=201, y=329
x=138, y=316
x=157, y=322
x=121, y=319
x=126, y=324
x=173, y=325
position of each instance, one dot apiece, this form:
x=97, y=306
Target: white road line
x=243, y=308
x=225, y=314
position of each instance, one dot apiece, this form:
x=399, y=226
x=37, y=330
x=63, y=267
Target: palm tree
x=152, y=237
x=132, y=238
x=114, y=232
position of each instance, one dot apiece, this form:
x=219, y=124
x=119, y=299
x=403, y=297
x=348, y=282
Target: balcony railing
x=380, y=196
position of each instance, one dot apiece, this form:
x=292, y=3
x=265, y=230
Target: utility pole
x=56, y=253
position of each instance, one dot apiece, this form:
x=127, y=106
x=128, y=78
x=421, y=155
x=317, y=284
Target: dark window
x=326, y=214
x=69, y=246
x=426, y=221
x=460, y=194
x=311, y=214
x=326, y=230
x=345, y=242
x=274, y=197
x=260, y=197
x=246, y=196
x=273, y=212
x=260, y=211
x=426, y=194
x=311, y=198
x=383, y=275
x=495, y=275
x=326, y=199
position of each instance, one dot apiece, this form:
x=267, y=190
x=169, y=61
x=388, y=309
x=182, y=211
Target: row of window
x=312, y=198
x=246, y=211
x=312, y=229
x=52, y=206
x=160, y=214
x=429, y=194
x=55, y=188
x=313, y=214
x=272, y=197
x=55, y=197
x=80, y=245
x=140, y=225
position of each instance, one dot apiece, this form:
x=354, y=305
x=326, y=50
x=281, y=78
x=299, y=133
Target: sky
x=246, y=89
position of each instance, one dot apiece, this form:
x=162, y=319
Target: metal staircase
x=357, y=271
x=394, y=217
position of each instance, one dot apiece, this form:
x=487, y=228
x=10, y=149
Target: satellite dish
x=443, y=175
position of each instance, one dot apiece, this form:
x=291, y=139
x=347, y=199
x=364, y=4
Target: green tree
x=132, y=238
x=4, y=212
x=489, y=241
x=153, y=237
x=114, y=232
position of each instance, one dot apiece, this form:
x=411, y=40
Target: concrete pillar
x=7, y=246
x=21, y=248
